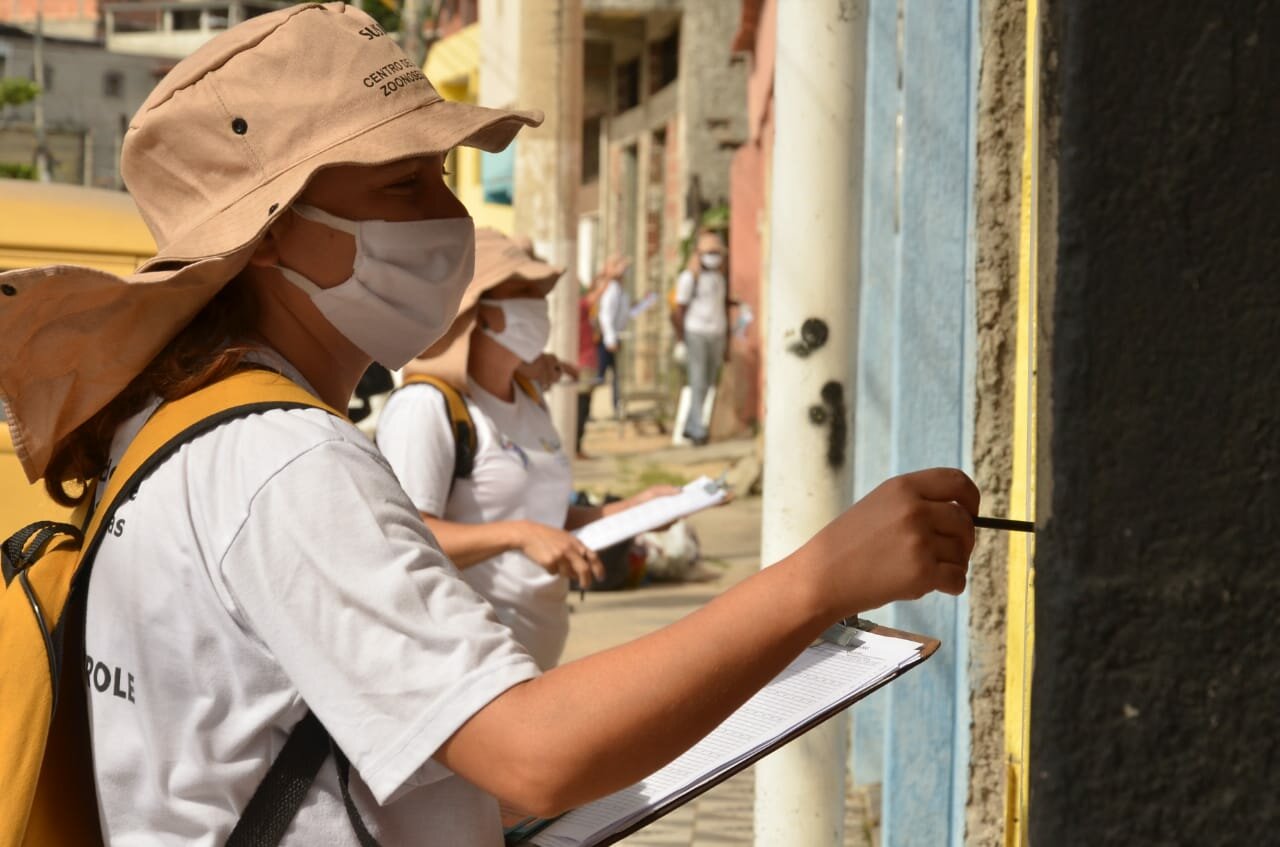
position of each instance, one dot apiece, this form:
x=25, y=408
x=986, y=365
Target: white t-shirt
x=613, y=312
x=270, y=566
x=520, y=473
x=704, y=303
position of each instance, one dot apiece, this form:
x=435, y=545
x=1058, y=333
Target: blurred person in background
x=701, y=322
x=612, y=315
x=588, y=370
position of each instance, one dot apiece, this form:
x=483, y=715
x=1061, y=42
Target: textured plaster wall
x=1002, y=42
x=1156, y=696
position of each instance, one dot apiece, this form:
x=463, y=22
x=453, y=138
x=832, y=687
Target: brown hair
x=208, y=349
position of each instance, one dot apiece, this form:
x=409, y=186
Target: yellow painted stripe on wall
x=1021, y=610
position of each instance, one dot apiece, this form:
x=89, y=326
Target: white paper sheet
x=823, y=675
x=702, y=493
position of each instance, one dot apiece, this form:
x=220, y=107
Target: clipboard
x=702, y=493
x=846, y=636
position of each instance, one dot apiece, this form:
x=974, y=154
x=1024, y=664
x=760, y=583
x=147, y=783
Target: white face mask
x=712, y=261
x=405, y=286
x=527, y=326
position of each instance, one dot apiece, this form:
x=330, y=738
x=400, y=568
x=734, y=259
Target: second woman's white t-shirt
x=520, y=473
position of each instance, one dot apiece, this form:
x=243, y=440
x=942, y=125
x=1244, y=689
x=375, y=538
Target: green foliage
x=653, y=474
x=15, y=91
x=717, y=218
x=387, y=17
x=12, y=170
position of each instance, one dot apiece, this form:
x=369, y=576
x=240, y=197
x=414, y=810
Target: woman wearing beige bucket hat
x=503, y=519
x=273, y=568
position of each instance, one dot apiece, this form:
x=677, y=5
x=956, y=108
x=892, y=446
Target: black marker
x=1004, y=523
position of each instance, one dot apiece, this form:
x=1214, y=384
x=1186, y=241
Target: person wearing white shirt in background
x=701, y=321
x=273, y=568
x=506, y=524
x=612, y=315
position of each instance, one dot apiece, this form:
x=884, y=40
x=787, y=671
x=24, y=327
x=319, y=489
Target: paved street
x=730, y=538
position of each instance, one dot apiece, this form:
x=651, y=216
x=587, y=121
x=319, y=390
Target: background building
x=89, y=97
x=62, y=18
x=661, y=116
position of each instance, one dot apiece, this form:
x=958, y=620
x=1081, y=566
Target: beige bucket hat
x=226, y=141
x=498, y=259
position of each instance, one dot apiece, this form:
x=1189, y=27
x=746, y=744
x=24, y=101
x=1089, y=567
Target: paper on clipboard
x=827, y=677
x=702, y=493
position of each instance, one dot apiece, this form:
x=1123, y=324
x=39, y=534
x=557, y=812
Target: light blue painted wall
x=915, y=373
x=873, y=417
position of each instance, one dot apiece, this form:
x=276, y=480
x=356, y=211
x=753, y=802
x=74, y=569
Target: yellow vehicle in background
x=48, y=224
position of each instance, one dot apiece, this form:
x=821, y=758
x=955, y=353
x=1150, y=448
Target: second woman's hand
x=557, y=551
x=548, y=369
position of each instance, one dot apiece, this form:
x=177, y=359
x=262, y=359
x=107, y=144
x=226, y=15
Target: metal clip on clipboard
x=844, y=633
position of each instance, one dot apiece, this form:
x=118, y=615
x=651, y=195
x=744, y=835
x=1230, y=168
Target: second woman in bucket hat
x=504, y=520
x=290, y=172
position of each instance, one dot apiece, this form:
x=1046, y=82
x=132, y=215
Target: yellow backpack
x=48, y=793
x=460, y=422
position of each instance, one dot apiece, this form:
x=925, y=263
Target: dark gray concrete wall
x=1156, y=697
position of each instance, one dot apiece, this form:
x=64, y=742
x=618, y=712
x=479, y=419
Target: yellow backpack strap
x=465, y=441
x=531, y=388
x=242, y=394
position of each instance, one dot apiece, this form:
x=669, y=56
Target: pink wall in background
x=54, y=10
x=748, y=198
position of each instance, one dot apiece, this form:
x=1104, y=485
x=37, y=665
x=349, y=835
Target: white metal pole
x=815, y=227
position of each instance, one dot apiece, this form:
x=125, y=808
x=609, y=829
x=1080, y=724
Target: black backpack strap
x=27, y=545
x=280, y=794
x=278, y=797
x=363, y=835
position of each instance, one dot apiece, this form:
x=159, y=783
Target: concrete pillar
x=815, y=211
x=549, y=168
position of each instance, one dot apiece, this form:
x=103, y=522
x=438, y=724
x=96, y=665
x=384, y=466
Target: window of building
x=664, y=61
x=113, y=84
x=628, y=85
x=497, y=171
x=590, y=150
x=186, y=20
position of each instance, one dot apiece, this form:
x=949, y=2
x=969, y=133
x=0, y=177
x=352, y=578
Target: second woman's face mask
x=526, y=328
x=405, y=286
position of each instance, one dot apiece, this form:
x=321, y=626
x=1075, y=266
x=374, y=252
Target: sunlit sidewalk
x=626, y=458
